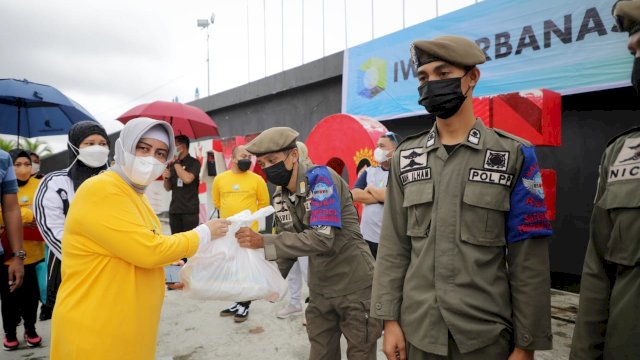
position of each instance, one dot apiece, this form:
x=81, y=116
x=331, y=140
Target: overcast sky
x=112, y=55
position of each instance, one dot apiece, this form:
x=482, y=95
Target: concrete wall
x=298, y=98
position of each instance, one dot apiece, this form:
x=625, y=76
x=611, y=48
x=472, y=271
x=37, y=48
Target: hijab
x=78, y=171
x=18, y=153
x=131, y=133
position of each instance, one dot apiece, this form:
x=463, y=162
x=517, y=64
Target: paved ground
x=192, y=330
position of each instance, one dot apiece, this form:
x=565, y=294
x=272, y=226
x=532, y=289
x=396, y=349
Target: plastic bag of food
x=222, y=270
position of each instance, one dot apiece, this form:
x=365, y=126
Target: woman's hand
x=218, y=227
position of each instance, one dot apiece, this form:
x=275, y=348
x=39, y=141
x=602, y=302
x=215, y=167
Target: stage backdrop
x=568, y=46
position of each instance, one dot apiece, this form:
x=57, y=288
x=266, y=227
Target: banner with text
x=568, y=46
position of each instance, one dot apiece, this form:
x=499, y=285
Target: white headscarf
x=131, y=133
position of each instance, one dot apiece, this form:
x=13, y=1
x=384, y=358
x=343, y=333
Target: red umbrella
x=184, y=119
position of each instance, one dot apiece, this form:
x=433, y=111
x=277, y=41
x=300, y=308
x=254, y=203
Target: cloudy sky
x=112, y=55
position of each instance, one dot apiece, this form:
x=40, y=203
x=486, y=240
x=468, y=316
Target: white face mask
x=142, y=170
x=380, y=155
x=35, y=168
x=94, y=156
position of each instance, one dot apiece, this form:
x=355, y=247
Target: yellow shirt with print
x=233, y=193
x=26, y=193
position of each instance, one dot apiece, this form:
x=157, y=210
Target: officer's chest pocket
x=622, y=200
x=483, y=217
x=418, y=201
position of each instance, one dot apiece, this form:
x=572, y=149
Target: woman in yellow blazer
x=109, y=301
x=23, y=302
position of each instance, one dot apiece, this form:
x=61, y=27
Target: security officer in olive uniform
x=463, y=265
x=315, y=216
x=608, y=323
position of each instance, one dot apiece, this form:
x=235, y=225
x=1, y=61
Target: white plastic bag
x=222, y=270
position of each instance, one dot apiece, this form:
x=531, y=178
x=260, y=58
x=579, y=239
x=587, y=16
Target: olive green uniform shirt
x=340, y=262
x=447, y=261
x=608, y=323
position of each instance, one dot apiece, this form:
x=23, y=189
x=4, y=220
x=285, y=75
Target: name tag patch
x=624, y=172
x=490, y=177
x=496, y=160
x=284, y=216
x=413, y=166
x=627, y=164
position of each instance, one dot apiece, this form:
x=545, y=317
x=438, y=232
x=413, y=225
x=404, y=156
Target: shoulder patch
x=527, y=217
x=511, y=136
x=325, y=207
x=629, y=131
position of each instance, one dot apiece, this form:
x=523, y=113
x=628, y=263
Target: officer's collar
x=433, y=139
x=474, y=139
x=303, y=184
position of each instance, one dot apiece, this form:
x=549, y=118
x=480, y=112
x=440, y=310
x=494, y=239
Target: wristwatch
x=20, y=254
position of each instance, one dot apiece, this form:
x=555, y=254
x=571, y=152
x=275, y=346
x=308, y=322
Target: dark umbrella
x=184, y=119
x=29, y=109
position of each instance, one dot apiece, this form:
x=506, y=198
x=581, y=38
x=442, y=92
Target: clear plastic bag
x=222, y=270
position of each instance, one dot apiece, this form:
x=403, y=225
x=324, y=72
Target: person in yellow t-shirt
x=23, y=302
x=108, y=305
x=236, y=190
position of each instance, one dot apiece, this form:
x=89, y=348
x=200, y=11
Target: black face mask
x=635, y=75
x=278, y=174
x=244, y=164
x=442, y=98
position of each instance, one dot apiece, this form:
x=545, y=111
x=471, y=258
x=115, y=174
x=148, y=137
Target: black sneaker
x=45, y=312
x=242, y=313
x=230, y=311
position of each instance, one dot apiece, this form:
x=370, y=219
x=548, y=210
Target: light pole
x=204, y=23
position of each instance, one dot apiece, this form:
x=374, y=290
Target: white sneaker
x=289, y=310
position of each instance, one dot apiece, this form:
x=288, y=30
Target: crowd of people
x=449, y=259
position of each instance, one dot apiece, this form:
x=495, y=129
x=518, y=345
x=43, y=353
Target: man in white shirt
x=370, y=189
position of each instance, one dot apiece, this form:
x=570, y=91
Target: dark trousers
x=23, y=302
x=183, y=222
x=54, y=278
x=373, y=247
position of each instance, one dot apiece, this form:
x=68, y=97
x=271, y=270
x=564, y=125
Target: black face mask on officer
x=443, y=98
x=278, y=174
x=635, y=75
x=244, y=164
